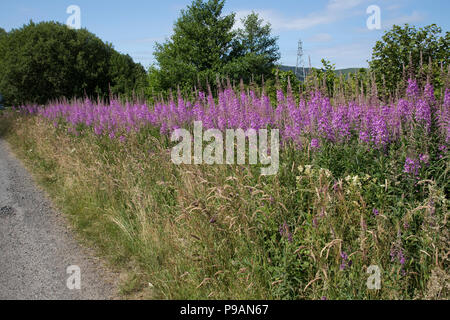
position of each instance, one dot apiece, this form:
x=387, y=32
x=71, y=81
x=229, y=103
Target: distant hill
x=348, y=71
x=344, y=72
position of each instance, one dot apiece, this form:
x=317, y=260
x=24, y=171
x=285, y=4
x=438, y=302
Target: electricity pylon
x=300, y=59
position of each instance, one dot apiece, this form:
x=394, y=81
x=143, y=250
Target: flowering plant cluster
x=305, y=123
x=362, y=184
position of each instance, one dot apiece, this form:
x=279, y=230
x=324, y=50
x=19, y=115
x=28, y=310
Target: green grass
x=213, y=232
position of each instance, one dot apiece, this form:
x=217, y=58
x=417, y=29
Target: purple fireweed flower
x=447, y=98
x=397, y=254
x=412, y=166
x=425, y=158
x=164, y=129
x=364, y=136
x=375, y=125
x=345, y=261
x=344, y=258
x=413, y=88
x=423, y=113
x=404, y=108
x=98, y=130
x=375, y=212
x=284, y=231
x=280, y=96
x=380, y=135
x=315, y=144
x=428, y=93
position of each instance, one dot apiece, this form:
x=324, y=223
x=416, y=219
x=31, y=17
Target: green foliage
x=126, y=76
x=254, y=50
x=360, y=201
x=201, y=41
x=326, y=76
x=204, y=47
x=404, y=51
x=45, y=61
x=255, y=38
x=224, y=232
x=48, y=60
x=281, y=80
x=286, y=78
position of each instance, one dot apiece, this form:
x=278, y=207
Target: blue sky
x=331, y=29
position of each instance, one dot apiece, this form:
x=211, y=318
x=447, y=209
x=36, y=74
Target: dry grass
x=213, y=232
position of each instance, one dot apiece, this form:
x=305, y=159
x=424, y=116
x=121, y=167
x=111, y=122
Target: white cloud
x=348, y=55
x=335, y=10
x=342, y=4
x=268, y=16
x=321, y=37
x=394, y=7
x=414, y=17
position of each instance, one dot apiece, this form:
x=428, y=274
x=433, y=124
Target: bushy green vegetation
x=363, y=176
x=46, y=61
x=335, y=207
x=204, y=47
x=406, y=51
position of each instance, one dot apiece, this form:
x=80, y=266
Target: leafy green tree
x=408, y=47
x=126, y=76
x=254, y=52
x=256, y=37
x=358, y=82
x=325, y=76
x=48, y=60
x=3, y=35
x=45, y=61
x=204, y=47
x=199, y=46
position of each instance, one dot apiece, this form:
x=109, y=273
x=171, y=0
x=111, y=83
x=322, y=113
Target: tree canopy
x=127, y=77
x=200, y=42
x=254, y=50
x=45, y=61
x=204, y=45
x=405, y=48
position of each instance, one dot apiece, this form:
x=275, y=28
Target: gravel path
x=36, y=247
